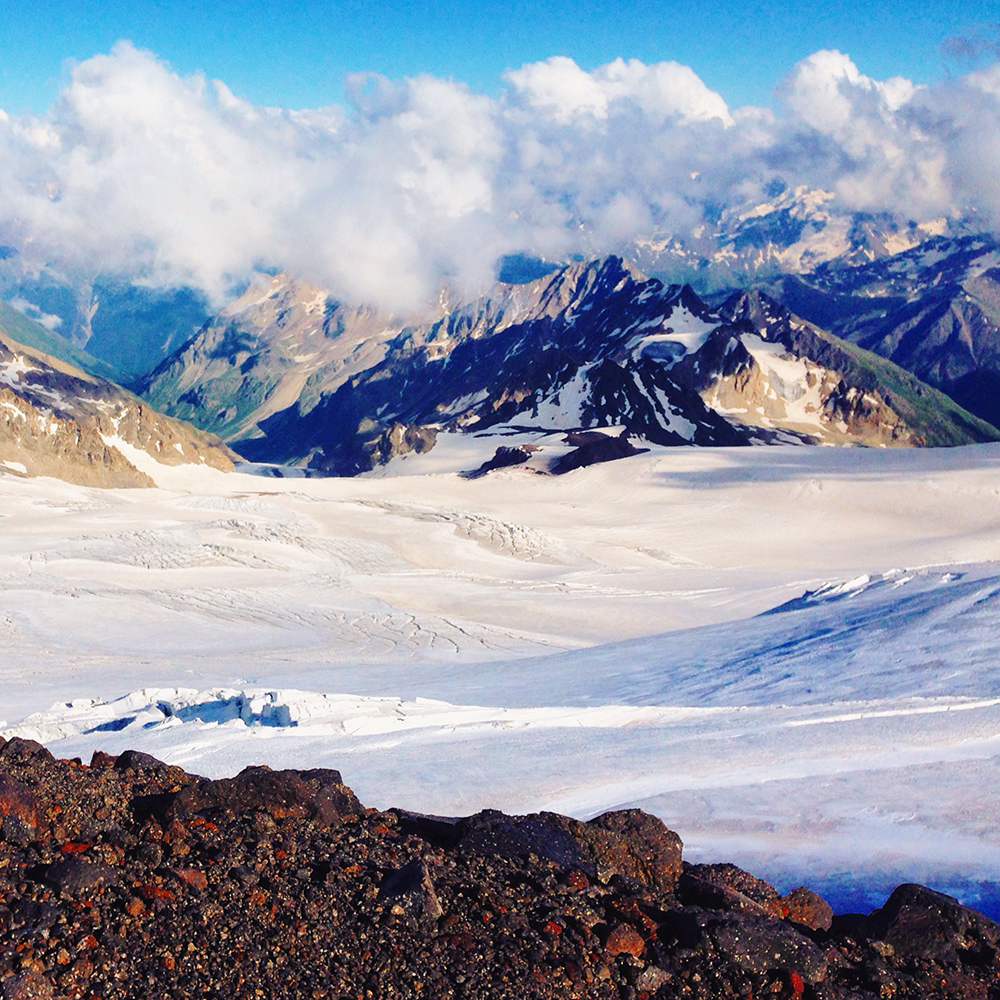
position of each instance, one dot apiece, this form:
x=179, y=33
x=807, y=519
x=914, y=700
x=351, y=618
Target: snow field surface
x=577, y=643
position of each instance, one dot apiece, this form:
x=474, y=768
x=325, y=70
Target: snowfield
x=789, y=654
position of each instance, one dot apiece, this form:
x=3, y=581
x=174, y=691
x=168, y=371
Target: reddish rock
x=634, y=843
x=805, y=907
x=624, y=939
x=20, y=812
x=191, y=877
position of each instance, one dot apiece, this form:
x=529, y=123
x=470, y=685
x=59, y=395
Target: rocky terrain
x=130, y=878
x=855, y=329
x=289, y=375
x=55, y=420
x=933, y=309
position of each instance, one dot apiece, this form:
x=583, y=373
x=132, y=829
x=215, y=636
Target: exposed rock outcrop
x=130, y=878
x=58, y=421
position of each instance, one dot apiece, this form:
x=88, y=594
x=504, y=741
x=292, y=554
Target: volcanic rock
x=142, y=881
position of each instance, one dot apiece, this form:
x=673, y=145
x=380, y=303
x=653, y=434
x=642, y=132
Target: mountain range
x=289, y=375
x=846, y=330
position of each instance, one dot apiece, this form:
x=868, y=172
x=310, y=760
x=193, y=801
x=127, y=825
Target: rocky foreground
x=131, y=878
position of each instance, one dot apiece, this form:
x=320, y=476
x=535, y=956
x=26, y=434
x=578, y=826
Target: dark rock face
x=934, y=310
x=319, y=795
x=597, y=449
x=76, y=877
x=141, y=881
x=503, y=458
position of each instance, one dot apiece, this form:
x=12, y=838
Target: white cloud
x=176, y=180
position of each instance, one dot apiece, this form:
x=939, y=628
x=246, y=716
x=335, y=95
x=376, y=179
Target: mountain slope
x=934, y=310
x=106, y=325
x=56, y=420
x=594, y=344
x=35, y=335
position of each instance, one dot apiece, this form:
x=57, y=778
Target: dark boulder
x=318, y=794
x=135, y=760
x=918, y=922
x=735, y=878
x=17, y=751
x=545, y=835
x=761, y=944
x=410, y=890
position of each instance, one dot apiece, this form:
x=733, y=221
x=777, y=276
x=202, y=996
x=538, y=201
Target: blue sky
x=295, y=53
x=148, y=172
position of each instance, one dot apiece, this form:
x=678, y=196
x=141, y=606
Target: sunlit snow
x=787, y=653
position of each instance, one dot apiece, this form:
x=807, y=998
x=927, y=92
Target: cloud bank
x=176, y=181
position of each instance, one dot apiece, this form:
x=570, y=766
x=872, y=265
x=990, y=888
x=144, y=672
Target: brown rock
x=19, y=809
x=633, y=843
x=624, y=939
x=803, y=906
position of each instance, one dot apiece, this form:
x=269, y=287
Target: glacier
x=788, y=654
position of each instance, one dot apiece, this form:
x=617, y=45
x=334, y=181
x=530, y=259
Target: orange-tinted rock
x=624, y=939
x=805, y=907
x=20, y=813
x=192, y=877
x=634, y=843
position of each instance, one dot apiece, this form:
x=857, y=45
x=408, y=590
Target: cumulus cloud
x=175, y=180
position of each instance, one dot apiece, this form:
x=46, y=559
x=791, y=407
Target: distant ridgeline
x=875, y=349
